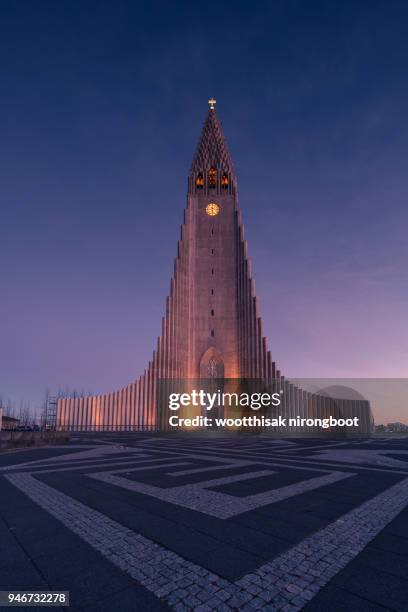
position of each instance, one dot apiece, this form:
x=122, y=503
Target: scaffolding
x=50, y=412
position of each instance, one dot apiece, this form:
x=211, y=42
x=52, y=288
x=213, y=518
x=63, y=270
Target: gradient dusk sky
x=101, y=107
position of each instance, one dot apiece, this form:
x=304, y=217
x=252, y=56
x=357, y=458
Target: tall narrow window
x=200, y=181
x=212, y=251
x=212, y=312
x=212, y=291
x=212, y=271
x=212, y=177
x=212, y=231
x=212, y=368
x=224, y=180
x=212, y=332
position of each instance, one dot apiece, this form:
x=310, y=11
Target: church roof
x=212, y=148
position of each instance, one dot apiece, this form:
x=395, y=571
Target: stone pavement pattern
x=221, y=524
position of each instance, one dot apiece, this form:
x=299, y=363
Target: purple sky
x=101, y=108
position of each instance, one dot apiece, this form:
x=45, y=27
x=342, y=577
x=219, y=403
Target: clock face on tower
x=212, y=209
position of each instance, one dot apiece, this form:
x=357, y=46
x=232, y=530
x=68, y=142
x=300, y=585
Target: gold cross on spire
x=212, y=103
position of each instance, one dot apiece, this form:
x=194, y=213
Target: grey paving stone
x=301, y=574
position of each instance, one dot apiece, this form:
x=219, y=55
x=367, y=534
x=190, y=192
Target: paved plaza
x=149, y=522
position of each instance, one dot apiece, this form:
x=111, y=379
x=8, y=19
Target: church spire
x=212, y=166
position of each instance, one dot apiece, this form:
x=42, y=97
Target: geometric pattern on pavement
x=153, y=468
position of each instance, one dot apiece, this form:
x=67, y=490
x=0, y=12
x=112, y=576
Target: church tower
x=215, y=330
x=211, y=328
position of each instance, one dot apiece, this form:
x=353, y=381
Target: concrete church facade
x=212, y=327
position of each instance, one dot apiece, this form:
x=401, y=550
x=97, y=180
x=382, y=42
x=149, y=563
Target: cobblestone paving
x=358, y=456
x=94, y=453
x=220, y=505
x=286, y=583
x=255, y=476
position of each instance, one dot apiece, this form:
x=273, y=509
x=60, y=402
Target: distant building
x=396, y=427
x=7, y=423
x=392, y=428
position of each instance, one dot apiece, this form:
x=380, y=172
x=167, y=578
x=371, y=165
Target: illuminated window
x=224, y=180
x=200, y=181
x=212, y=177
